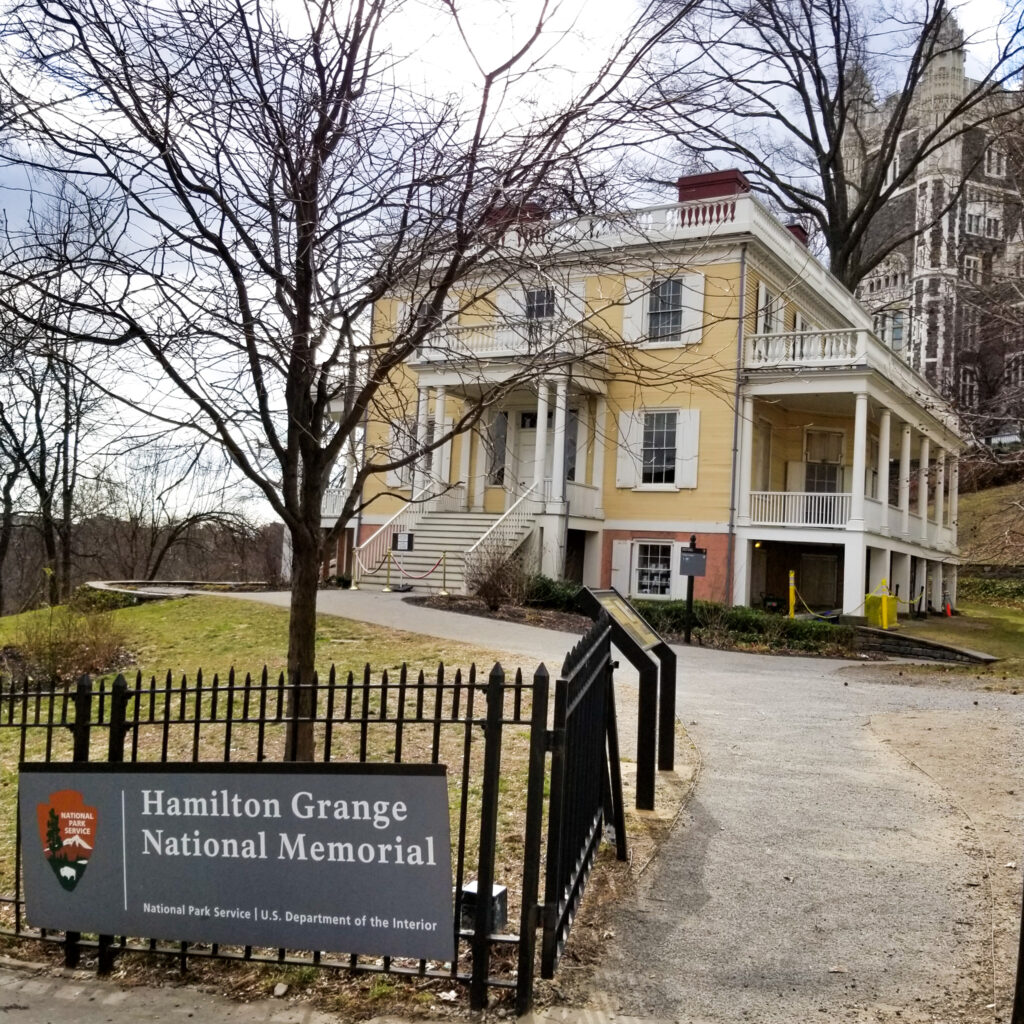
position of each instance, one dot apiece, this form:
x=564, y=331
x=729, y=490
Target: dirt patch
x=977, y=759
x=989, y=679
x=547, y=618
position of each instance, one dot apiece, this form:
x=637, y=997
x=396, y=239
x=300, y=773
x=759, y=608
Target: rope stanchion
x=443, y=592
x=411, y=576
x=387, y=581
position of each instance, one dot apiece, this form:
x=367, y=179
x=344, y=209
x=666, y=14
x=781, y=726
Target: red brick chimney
x=799, y=232
x=712, y=185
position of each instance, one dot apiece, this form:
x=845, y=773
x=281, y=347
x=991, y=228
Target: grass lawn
x=988, y=628
x=216, y=633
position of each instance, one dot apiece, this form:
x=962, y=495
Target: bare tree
x=151, y=508
x=267, y=183
x=831, y=107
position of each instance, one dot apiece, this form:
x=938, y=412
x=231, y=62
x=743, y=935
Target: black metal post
x=488, y=839
x=1017, y=1016
x=79, y=752
x=646, y=740
x=529, y=916
x=689, y=596
x=119, y=697
x=666, y=707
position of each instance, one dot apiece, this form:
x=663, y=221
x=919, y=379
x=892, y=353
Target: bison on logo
x=68, y=831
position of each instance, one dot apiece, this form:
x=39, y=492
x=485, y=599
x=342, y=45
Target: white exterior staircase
x=434, y=534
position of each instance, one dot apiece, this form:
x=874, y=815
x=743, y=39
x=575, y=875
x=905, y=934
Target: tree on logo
x=53, y=838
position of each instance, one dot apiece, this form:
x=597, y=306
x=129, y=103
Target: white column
x=558, y=455
x=422, y=415
x=597, y=469
x=540, y=450
x=954, y=500
x=905, y=478
x=746, y=456
x=951, y=576
x=901, y=579
x=439, y=458
x=922, y=486
x=860, y=446
x=879, y=568
x=465, y=451
x=940, y=490
x=935, y=597
x=884, y=441
x=854, y=565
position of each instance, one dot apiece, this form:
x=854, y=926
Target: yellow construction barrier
x=880, y=610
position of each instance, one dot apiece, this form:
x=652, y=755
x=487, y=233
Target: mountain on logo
x=67, y=831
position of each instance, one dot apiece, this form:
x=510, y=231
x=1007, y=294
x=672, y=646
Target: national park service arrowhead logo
x=68, y=831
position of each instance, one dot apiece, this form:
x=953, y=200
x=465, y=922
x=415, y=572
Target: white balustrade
x=510, y=529
x=799, y=508
x=451, y=499
x=584, y=499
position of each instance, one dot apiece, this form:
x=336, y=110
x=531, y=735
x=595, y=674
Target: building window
x=968, y=387
x=659, y=448
x=496, y=438
x=769, y=311
x=972, y=269
x=665, y=311
x=995, y=162
x=1013, y=370
x=897, y=329
x=974, y=223
x=653, y=570
x=892, y=171
x=993, y=227
x=540, y=303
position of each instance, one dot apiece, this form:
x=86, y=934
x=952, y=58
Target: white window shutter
x=693, y=309
x=629, y=455
x=762, y=308
x=573, y=305
x=510, y=301
x=687, y=447
x=620, y=565
x=634, y=310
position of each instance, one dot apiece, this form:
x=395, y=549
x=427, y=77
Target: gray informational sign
x=693, y=561
x=349, y=858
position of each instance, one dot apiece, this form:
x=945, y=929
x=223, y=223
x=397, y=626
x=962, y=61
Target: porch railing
x=374, y=550
x=584, y=499
x=510, y=530
x=807, y=348
x=799, y=508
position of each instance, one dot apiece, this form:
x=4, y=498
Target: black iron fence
x=491, y=733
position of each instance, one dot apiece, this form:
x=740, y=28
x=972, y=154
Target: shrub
x=716, y=625
x=544, y=592
x=1006, y=592
x=59, y=644
x=89, y=599
x=496, y=577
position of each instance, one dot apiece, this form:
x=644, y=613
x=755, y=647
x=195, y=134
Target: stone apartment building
x=951, y=301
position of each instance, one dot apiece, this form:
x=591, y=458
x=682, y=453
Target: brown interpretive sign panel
x=626, y=616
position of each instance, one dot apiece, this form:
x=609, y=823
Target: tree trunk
x=302, y=642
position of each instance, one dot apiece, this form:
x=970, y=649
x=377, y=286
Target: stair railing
x=369, y=555
x=507, y=533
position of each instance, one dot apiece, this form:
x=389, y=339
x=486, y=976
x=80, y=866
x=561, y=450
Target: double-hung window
x=659, y=448
x=539, y=304
x=665, y=310
x=653, y=572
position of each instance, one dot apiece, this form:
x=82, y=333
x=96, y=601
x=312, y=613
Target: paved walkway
x=814, y=876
